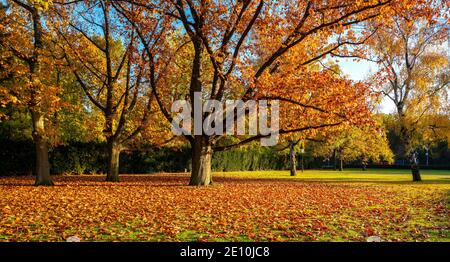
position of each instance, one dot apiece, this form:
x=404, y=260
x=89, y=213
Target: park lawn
x=395, y=176
x=240, y=206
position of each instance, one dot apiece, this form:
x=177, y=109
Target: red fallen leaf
x=369, y=231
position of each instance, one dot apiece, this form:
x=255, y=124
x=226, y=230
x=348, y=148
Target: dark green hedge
x=78, y=158
x=91, y=158
x=248, y=158
x=17, y=158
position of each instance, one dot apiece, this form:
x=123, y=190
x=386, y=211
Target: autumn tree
x=362, y=144
x=316, y=106
x=29, y=63
x=6, y=62
x=260, y=50
x=293, y=144
x=105, y=57
x=432, y=130
x=413, y=71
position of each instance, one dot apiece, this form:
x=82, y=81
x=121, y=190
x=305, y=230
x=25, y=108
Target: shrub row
x=17, y=158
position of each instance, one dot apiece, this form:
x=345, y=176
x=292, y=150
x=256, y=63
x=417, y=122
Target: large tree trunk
x=415, y=169
x=415, y=173
x=292, y=159
x=405, y=150
x=201, y=162
x=113, y=161
x=42, y=168
x=416, y=177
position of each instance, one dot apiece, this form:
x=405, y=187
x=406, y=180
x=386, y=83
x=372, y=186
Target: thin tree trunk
x=341, y=164
x=405, y=147
x=335, y=160
x=404, y=142
x=292, y=158
x=42, y=168
x=303, y=166
x=201, y=162
x=113, y=162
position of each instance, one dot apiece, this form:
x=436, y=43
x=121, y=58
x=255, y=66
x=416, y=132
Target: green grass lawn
x=393, y=176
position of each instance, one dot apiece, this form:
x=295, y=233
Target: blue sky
x=359, y=71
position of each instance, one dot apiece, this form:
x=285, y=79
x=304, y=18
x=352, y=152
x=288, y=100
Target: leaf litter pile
x=163, y=208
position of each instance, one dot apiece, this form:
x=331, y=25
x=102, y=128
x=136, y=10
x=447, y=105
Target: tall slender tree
x=105, y=57
x=413, y=70
x=26, y=40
